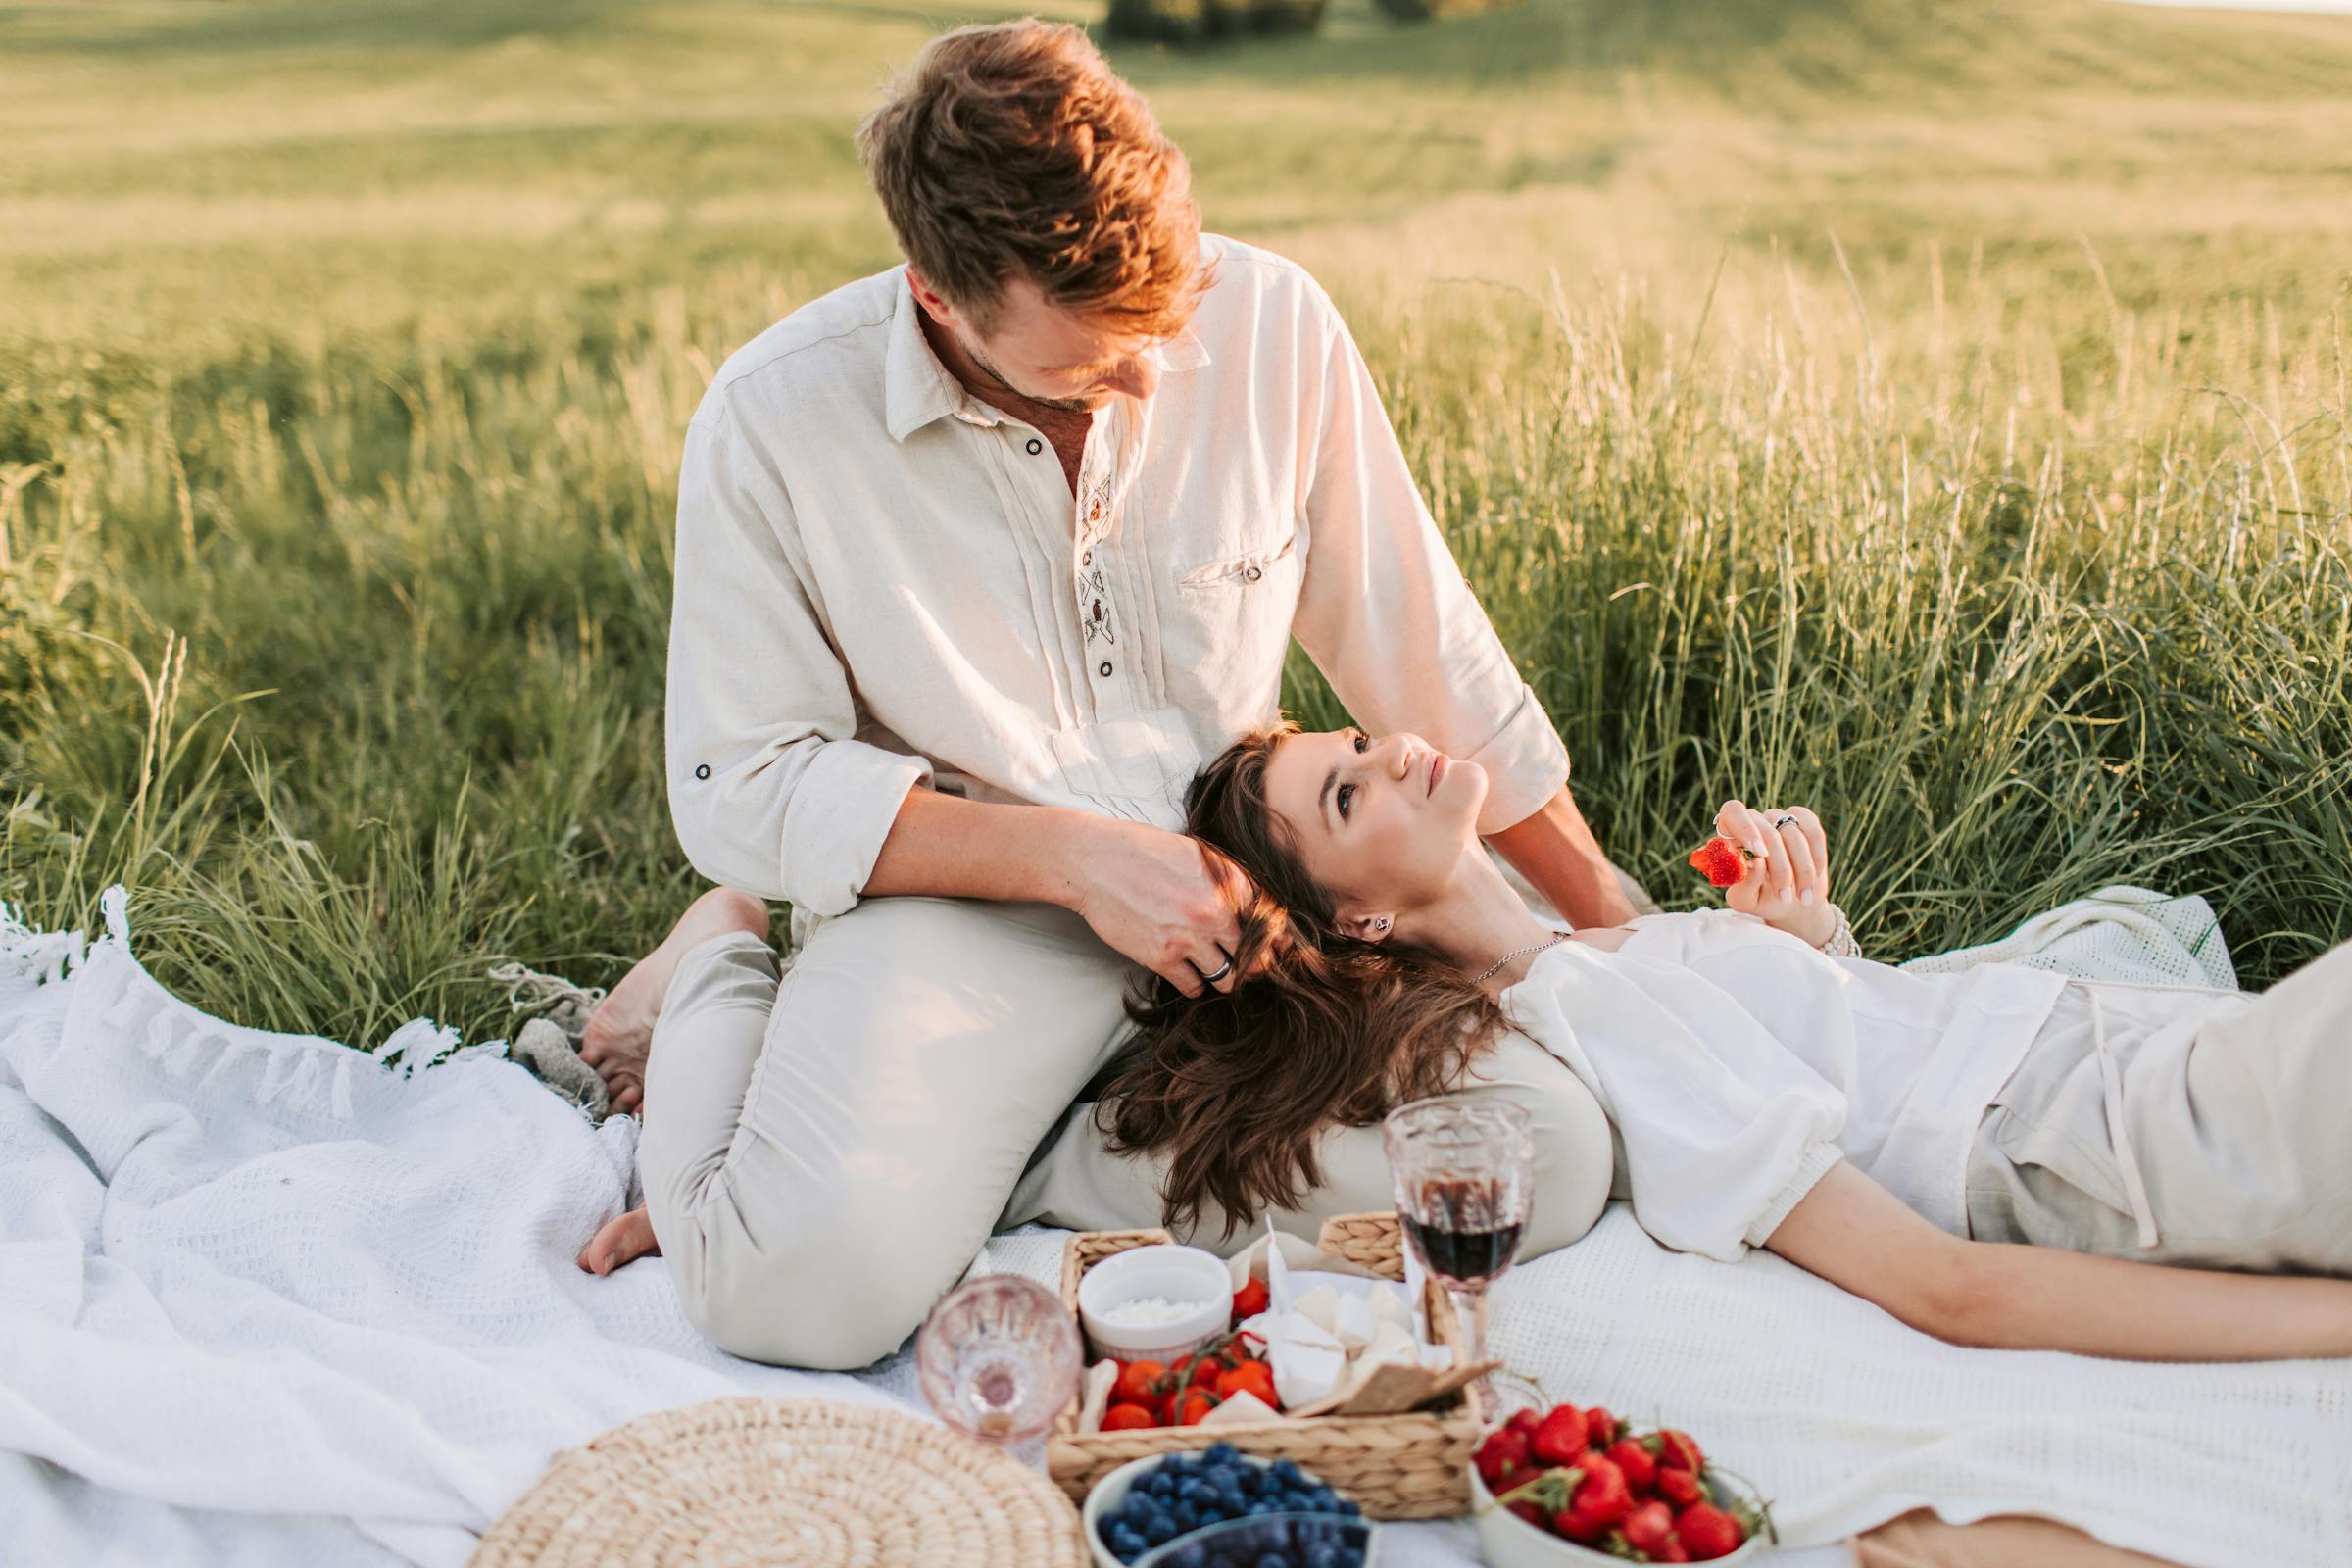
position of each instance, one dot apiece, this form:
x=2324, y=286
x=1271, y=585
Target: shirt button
x=702, y=770
x=1103, y=669
x=1086, y=560
x=1253, y=573
x=1036, y=446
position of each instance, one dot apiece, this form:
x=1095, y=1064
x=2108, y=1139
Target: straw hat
x=790, y=1482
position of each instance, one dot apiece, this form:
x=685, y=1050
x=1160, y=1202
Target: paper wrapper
x=1099, y=1379
x=1260, y=1257
x=1243, y=1407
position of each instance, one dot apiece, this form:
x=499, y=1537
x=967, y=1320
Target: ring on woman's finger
x=1221, y=971
x=1784, y=821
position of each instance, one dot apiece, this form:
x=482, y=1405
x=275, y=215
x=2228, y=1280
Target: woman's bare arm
x=1997, y=1295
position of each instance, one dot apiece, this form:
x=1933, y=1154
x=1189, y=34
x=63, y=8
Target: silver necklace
x=1520, y=952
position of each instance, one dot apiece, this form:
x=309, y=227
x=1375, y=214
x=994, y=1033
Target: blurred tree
x=1190, y=21
x=1424, y=10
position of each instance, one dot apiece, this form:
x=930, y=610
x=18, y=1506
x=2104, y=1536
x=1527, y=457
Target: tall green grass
x=2016, y=538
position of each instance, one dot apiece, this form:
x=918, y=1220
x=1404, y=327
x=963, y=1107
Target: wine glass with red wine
x=1463, y=1170
x=997, y=1358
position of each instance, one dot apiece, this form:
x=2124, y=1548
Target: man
x=978, y=559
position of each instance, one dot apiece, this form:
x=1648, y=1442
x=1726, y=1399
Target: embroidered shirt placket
x=1095, y=510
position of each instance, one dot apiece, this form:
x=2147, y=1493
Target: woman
x=1894, y=1133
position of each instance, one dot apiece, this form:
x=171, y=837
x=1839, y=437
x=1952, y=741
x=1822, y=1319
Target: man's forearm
x=948, y=846
x=1556, y=849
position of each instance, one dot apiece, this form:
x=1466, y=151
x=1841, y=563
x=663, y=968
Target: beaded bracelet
x=1841, y=943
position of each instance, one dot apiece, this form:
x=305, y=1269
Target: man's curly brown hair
x=1012, y=150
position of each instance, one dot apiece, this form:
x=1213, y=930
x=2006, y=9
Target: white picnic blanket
x=266, y=1300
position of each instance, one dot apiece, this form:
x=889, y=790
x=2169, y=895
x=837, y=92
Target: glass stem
x=1470, y=1311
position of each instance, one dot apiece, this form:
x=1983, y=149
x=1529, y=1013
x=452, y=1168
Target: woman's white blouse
x=1737, y=1065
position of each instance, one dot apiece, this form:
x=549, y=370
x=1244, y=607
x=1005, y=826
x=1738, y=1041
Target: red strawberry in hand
x=1640, y=1465
x=1679, y=1486
x=1706, y=1532
x=1560, y=1436
x=1720, y=861
x=1648, y=1525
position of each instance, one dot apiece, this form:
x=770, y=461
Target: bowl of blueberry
x=1220, y=1508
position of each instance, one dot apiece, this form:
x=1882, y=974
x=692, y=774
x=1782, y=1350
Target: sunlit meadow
x=1936, y=414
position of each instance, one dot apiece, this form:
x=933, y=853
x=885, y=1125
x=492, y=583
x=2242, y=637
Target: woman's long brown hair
x=1235, y=1088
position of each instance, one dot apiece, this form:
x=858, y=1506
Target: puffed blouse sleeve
x=1724, y=1129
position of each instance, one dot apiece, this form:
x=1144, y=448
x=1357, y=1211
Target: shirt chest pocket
x=1238, y=608
x=1246, y=570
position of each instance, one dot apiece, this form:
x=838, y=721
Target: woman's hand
x=1788, y=881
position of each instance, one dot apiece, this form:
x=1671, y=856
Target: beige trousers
x=828, y=1143
x=2213, y=1134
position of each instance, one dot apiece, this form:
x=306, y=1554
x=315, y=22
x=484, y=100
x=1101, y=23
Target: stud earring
x=1382, y=924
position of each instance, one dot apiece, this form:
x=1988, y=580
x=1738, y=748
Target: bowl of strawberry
x=1579, y=1486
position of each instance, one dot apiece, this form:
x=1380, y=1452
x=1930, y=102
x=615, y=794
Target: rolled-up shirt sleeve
x=1385, y=612
x=769, y=789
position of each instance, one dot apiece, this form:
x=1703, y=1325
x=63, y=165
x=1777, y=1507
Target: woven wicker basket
x=785, y=1483
x=1409, y=1466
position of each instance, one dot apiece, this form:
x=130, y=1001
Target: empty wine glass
x=998, y=1357
x=1463, y=1170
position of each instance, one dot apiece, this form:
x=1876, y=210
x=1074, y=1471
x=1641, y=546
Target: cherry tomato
x=1253, y=1377
x=1135, y=1380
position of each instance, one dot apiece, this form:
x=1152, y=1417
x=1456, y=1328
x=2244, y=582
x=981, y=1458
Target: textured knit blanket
x=267, y=1299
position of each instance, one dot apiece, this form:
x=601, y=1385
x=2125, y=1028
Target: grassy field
x=1935, y=412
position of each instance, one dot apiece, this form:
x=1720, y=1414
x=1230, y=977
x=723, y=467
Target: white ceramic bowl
x=1506, y=1541
x=1108, y=1492
x=1173, y=1274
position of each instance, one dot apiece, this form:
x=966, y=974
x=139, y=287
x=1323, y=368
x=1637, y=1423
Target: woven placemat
x=793, y=1483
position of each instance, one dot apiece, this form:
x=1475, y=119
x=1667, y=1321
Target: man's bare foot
x=620, y=1241
x=620, y=1032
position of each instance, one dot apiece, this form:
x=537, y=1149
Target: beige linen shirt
x=883, y=581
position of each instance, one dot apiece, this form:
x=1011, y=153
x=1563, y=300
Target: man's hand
x=1164, y=900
